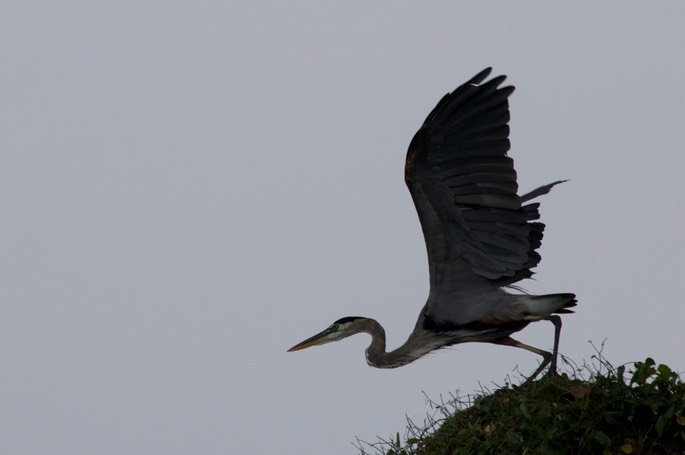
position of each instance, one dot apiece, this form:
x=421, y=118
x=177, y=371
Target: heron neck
x=375, y=353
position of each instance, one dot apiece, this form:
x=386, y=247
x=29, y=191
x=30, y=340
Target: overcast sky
x=187, y=190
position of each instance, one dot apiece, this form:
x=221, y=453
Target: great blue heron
x=480, y=237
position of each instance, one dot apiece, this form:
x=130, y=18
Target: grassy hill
x=633, y=409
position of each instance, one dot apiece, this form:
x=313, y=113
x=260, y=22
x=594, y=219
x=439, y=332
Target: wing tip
x=480, y=77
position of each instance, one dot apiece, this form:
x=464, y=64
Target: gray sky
x=188, y=190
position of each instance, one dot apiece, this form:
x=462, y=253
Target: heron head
x=342, y=328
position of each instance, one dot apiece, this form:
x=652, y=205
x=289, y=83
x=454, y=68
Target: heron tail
x=541, y=306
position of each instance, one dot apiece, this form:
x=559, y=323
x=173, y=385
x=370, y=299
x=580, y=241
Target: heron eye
x=334, y=327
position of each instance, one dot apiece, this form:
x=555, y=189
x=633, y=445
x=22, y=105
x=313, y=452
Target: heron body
x=481, y=236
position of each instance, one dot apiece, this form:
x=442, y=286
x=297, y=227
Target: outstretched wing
x=478, y=234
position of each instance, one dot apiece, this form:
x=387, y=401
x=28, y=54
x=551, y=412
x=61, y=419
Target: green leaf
x=664, y=370
x=663, y=420
x=602, y=438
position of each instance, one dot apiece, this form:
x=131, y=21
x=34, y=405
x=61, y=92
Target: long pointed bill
x=319, y=338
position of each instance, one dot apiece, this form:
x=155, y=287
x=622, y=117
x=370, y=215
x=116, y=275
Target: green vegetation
x=596, y=409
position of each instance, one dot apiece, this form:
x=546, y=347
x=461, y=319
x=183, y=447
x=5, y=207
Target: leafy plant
x=597, y=409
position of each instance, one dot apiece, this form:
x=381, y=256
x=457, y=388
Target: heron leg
x=547, y=357
x=556, y=320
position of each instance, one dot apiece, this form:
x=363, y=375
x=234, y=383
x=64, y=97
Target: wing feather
x=479, y=235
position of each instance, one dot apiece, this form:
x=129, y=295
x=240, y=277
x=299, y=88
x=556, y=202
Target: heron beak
x=319, y=338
